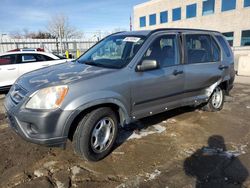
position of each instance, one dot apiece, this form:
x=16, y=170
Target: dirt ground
x=182, y=148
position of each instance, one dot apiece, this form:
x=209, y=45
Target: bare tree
x=16, y=34
x=59, y=26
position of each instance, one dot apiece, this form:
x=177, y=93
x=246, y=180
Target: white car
x=15, y=64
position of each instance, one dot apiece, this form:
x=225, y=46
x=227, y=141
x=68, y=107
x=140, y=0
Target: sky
x=85, y=15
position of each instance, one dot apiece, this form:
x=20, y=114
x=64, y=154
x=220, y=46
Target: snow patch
x=144, y=132
x=153, y=175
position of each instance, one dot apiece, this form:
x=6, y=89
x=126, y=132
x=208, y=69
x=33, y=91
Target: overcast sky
x=86, y=15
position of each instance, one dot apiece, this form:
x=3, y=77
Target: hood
x=61, y=74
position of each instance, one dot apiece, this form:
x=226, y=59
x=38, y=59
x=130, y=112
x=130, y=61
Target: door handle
x=11, y=69
x=45, y=65
x=176, y=72
x=223, y=67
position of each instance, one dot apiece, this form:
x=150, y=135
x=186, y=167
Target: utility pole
x=60, y=36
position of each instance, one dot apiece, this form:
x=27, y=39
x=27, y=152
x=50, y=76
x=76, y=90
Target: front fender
x=84, y=102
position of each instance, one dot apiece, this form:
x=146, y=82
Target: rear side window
x=47, y=58
x=7, y=59
x=28, y=58
x=40, y=57
x=59, y=56
x=224, y=45
x=198, y=48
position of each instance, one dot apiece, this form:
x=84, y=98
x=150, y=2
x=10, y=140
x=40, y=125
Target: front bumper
x=39, y=127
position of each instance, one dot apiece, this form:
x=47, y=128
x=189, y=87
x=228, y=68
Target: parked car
x=27, y=49
x=123, y=78
x=16, y=63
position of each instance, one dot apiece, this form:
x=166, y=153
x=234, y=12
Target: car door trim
x=166, y=96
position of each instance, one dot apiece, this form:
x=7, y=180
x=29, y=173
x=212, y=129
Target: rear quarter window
x=224, y=45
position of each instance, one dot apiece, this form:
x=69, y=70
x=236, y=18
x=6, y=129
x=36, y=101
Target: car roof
x=30, y=52
x=150, y=32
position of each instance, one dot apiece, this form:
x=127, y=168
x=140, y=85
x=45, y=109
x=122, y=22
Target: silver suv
x=124, y=77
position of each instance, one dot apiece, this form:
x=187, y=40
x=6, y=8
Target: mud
x=182, y=148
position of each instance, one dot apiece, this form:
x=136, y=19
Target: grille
x=17, y=93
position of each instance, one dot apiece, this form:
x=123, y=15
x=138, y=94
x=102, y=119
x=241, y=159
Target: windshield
x=113, y=51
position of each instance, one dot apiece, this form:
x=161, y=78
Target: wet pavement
x=182, y=148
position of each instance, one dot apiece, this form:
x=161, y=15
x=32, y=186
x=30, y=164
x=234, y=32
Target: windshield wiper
x=93, y=63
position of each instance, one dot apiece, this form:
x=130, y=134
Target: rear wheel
x=216, y=100
x=96, y=134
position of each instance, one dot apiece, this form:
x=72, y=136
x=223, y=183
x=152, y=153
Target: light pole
x=2, y=49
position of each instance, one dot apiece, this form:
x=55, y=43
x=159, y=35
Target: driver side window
x=164, y=50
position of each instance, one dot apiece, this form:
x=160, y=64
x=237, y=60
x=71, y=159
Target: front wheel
x=216, y=100
x=95, y=134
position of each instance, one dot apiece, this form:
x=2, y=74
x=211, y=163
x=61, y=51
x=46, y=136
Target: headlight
x=47, y=98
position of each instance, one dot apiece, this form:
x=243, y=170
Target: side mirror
x=147, y=65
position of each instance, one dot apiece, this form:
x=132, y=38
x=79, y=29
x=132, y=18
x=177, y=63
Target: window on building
x=152, y=19
x=164, y=17
x=228, y=5
x=246, y=3
x=191, y=11
x=230, y=37
x=245, y=38
x=176, y=14
x=143, y=21
x=199, y=49
x=207, y=7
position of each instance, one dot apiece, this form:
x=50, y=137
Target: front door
x=158, y=90
x=8, y=70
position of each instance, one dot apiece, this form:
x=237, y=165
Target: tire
x=214, y=105
x=95, y=134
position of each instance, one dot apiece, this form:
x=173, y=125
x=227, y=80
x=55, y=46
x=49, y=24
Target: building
x=231, y=17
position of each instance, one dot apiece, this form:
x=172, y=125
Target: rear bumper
x=39, y=127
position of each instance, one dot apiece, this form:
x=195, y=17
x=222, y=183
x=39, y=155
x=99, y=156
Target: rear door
x=158, y=90
x=227, y=60
x=202, y=64
x=8, y=70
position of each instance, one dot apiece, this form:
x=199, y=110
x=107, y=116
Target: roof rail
x=180, y=29
x=117, y=32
